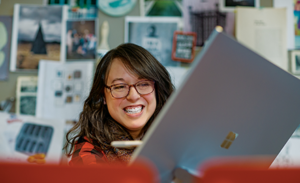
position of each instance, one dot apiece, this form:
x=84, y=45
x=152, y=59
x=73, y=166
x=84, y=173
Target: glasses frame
x=133, y=85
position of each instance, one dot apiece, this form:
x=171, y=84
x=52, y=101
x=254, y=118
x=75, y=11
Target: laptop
x=233, y=102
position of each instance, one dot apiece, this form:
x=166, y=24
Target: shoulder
x=85, y=153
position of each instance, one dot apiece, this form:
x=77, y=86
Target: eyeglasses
x=122, y=90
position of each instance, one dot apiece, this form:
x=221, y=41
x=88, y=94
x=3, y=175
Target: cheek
x=112, y=104
x=151, y=100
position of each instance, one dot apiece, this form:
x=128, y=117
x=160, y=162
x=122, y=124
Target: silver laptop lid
x=233, y=102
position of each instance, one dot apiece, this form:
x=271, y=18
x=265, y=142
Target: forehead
x=118, y=70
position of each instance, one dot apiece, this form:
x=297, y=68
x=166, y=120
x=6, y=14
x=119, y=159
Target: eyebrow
x=117, y=79
x=121, y=79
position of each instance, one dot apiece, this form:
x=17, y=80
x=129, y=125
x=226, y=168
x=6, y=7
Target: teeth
x=133, y=110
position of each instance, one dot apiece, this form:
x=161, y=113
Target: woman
x=129, y=89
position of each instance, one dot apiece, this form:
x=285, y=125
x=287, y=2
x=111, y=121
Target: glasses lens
x=119, y=90
x=145, y=87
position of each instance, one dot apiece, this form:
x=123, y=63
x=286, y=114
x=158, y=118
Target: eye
x=143, y=84
x=119, y=87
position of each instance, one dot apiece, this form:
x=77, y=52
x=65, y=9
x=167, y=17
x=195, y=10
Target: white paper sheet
x=62, y=89
x=264, y=31
x=10, y=129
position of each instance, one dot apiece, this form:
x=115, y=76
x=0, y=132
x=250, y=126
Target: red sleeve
x=86, y=153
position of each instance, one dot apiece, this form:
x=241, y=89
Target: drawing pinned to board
x=81, y=40
x=5, y=37
x=37, y=34
x=61, y=96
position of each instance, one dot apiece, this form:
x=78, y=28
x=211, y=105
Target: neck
x=136, y=135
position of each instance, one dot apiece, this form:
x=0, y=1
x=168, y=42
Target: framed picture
x=229, y=5
x=184, y=44
x=155, y=34
x=5, y=38
x=81, y=40
x=295, y=59
x=37, y=34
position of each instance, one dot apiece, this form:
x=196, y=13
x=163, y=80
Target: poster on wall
x=62, y=89
x=267, y=36
x=26, y=95
x=27, y=139
x=5, y=37
x=37, y=34
x=81, y=40
x=155, y=34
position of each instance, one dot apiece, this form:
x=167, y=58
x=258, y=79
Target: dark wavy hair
x=95, y=120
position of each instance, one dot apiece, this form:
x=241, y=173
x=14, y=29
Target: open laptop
x=233, y=102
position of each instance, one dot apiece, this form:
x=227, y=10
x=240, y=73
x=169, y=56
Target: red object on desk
x=136, y=173
x=247, y=172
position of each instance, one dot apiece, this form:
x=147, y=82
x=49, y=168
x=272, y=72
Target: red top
x=86, y=153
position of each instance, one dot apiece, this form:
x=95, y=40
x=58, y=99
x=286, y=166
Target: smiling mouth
x=133, y=110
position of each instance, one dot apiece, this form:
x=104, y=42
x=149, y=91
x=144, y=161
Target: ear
x=104, y=101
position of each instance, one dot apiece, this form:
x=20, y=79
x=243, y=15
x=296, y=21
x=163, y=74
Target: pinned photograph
x=26, y=95
x=36, y=35
x=155, y=34
x=81, y=40
x=295, y=59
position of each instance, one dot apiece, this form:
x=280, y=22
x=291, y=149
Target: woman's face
x=144, y=105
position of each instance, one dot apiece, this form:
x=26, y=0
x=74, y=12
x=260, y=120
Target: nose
x=133, y=95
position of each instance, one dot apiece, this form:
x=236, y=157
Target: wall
x=116, y=37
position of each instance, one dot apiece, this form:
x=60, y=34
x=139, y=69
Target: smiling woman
x=129, y=89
